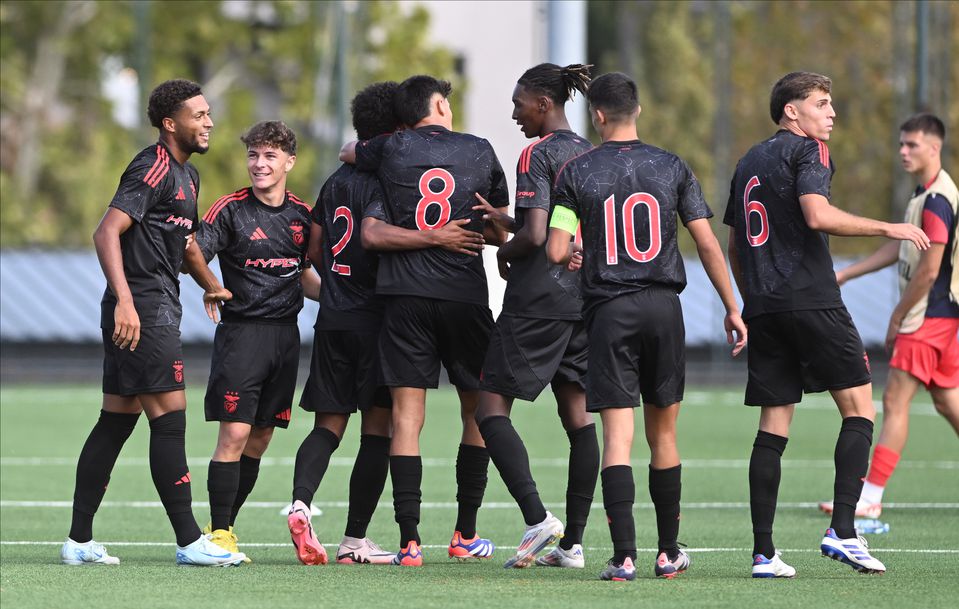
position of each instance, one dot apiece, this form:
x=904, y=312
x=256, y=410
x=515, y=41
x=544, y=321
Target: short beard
x=193, y=147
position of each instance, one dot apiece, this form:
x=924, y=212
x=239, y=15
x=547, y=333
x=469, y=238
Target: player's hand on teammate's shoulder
x=905, y=231
x=736, y=331
x=126, y=325
x=213, y=301
x=453, y=236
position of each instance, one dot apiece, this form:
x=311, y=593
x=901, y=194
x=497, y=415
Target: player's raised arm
x=823, y=216
x=886, y=255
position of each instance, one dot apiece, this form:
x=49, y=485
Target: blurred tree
x=865, y=47
x=62, y=149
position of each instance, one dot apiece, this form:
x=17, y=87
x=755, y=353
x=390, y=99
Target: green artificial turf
x=43, y=428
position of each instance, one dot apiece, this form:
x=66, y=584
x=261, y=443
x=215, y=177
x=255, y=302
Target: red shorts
x=931, y=353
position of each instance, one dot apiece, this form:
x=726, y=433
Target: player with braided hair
x=539, y=337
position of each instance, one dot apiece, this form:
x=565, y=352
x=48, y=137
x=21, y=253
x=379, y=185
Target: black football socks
x=312, y=459
x=171, y=476
x=764, y=475
x=94, y=466
x=509, y=455
x=581, y=482
x=223, y=478
x=665, y=489
x=406, y=473
x=619, y=492
x=249, y=472
x=472, y=463
x=366, y=482
x=852, y=460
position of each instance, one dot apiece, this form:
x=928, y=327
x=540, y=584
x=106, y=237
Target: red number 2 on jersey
x=342, y=212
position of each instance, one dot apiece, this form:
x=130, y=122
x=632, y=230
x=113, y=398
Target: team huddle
x=593, y=274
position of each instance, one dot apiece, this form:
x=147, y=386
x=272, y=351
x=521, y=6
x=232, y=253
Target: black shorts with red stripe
x=253, y=374
x=155, y=366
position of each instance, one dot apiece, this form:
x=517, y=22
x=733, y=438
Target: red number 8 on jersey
x=430, y=197
x=755, y=207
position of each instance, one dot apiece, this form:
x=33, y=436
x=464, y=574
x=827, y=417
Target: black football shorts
x=637, y=350
x=344, y=373
x=156, y=366
x=420, y=333
x=803, y=351
x=526, y=354
x=253, y=374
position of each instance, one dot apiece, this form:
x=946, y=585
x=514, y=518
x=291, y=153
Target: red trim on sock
x=884, y=462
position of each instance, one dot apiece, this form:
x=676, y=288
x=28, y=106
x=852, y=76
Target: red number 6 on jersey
x=755, y=207
x=429, y=197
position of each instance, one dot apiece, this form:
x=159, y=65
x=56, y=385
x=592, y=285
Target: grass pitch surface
x=43, y=428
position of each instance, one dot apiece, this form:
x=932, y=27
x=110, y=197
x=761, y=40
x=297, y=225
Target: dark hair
x=372, y=110
x=274, y=134
x=793, y=86
x=168, y=97
x=411, y=102
x=559, y=84
x=615, y=94
x=929, y=124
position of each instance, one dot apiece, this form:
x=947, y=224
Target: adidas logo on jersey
x=258, y=234
x=180, y=196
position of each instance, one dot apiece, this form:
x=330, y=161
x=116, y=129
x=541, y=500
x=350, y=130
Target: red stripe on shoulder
x=527, y=155
x=823, y=153
x=222, y=202
x=159, y=169
x=295, y=199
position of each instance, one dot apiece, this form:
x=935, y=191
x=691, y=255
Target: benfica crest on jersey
x=178, y=371
x=297, y=227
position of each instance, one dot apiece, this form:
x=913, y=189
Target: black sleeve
x=369, y=153
x=813, y=169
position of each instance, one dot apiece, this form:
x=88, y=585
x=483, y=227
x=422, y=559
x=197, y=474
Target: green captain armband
x=564, y=219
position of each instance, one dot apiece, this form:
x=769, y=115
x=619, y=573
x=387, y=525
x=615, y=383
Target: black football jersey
x=785, y=265
x=628, y=196
x=348, y=298
x=262, y=251
x=160, y=196
x=535, y=287
x=429, y=176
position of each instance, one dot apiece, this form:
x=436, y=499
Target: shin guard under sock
x=765, y=471
x=97, y=458
x=171, y=476
x=312, y=459
x=366, y=482
x=580, y=482
x=852, y=459
x=619, y=493
x=509, y=455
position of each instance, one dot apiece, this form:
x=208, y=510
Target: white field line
x=451, y=505
x=445, y=462
x=156, y=544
